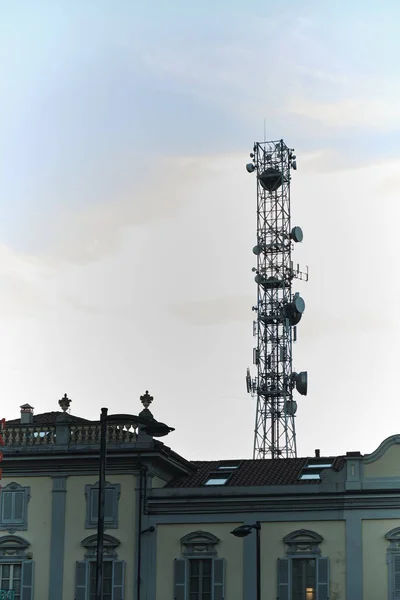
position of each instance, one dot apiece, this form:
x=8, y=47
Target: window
x=393, y=562
x=313, y=469
x=199, y=574
x=107, y=580
x=112, y=495
x=113, y=571
x=10, y=578
x=113, y=580
x=303, y=574
x=229, y=465
x=303, y=579
x=200, y=578
x=16, y=567
x=217, y=478
x=14, y=507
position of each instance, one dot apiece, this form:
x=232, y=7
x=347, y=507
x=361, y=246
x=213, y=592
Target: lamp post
x=150, y=426
x=244, y=531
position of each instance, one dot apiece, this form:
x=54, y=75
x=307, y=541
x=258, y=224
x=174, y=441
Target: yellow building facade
x=328, y=528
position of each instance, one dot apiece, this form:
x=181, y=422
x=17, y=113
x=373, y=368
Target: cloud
x=377, y=114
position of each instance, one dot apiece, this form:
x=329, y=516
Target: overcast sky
x=128, y=218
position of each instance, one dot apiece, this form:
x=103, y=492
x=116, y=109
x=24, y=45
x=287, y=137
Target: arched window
x=303, y=574
x=393, y=562
x=113, y=570
x=199, y=574
x=16, y=567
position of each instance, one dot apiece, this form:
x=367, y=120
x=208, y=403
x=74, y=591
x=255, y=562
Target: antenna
x=265, y=130
x=278, y=310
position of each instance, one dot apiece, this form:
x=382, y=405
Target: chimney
x=26, y=414
x=317, y=453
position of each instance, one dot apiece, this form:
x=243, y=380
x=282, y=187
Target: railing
x=64, y=433
x=29, y=436
x=90, y=434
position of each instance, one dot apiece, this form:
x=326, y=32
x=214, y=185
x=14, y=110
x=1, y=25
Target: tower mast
x=278, y=310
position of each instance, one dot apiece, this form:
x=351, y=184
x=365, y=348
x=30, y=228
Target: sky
x=128, y=218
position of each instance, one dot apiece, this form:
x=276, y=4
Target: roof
x=48, y=418
x=257, y=472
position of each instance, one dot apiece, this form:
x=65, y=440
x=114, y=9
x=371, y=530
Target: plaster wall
x=38, y=533
x=333, y=546
x=169, y=548
x=375, y=570
x=75, y=530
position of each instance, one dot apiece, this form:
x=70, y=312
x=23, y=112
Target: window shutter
x=396, y=573
x=323, y=578
x=19, y=506
x=109, y=504
x=94, y=505
x=28, y=568
x=180, y=579
x=219, y=578
x=81, y=577
x=118, y=579
x=6, y=512
x=283, y=579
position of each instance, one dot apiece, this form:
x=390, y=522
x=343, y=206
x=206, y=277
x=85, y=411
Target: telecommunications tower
x=278, y=310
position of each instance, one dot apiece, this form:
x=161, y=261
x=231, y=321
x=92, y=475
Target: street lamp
x=150, y=426
x=243, y=531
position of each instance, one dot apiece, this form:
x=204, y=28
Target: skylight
x=230, y=465
x=217, y=479
x=319, y=466
x=310, y=476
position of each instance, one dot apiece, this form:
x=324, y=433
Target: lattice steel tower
x=278, y=311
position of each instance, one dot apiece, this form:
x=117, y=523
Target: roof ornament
x=146, y=400
x=64, y=403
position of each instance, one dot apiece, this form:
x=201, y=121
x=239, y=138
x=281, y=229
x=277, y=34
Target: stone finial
x=64, y=403
x=146, y=399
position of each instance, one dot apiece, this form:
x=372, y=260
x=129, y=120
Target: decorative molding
x=199, y=542
x=13, y=546
x=110, y=545
x=393, y=536
x=60, y=484
x=393, y=440
x=303, y=541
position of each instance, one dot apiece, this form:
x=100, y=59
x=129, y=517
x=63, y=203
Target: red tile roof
x=48, y=418
x=281, y=471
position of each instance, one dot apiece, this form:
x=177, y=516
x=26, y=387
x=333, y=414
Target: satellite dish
x=299, y=303
x=296, y=234
x=271, y=179
x=257, y=250
x=294, y=165
x=294, y=310
x=250, y=168
x=302, y=382
x=291, y=407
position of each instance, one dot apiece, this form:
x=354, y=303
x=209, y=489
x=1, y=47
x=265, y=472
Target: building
x=329, y=526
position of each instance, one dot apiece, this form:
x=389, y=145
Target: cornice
x=272, y=504
x=381, y=449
